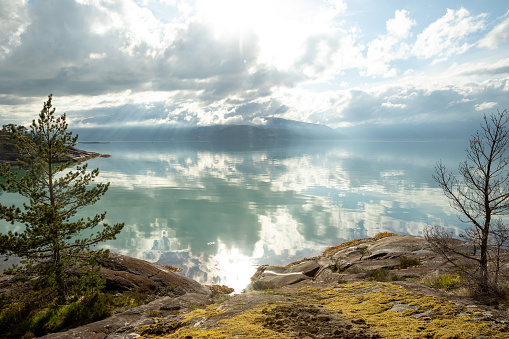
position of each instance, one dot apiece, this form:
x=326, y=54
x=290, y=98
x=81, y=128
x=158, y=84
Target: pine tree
x=55, y=255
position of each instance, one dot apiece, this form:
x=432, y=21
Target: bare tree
x=479, y=193
x=499, y=241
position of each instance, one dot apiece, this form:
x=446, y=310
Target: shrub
x=382, y=235
x=22, y=318
x=405, y=262
x=383, y=275
x=447, y=282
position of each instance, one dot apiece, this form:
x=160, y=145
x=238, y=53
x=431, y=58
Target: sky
x=341, y=63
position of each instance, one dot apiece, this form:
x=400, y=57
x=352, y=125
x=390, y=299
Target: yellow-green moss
x=371, y=302
x=248, y=324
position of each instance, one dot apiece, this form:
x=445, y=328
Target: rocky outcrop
x=123, y=273
x=329, y=296
x=355, y=259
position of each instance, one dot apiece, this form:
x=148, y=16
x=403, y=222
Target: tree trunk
x=59, y=277
x=483, y=264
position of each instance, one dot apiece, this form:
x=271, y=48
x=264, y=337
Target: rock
x=271, y=277
x=272, y=281
x=186, y=301
x=123, y=273
x=308, y=268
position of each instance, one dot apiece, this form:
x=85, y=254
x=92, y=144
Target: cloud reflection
x=218, y=213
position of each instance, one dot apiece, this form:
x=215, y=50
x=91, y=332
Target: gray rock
x=273, y=281
x=122, y=325
x=186, y=301
x=270, y=277
x=308, y=268
x=123, y=273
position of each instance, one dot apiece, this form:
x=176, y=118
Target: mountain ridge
x=275, y=129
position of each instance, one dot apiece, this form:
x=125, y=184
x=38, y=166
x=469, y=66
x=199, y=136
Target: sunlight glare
x=232, y=267
x=276, y=26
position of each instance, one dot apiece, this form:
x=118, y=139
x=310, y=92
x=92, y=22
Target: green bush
x=447, y=282
x=383, y=275
x=19, y=319
x=405, y=262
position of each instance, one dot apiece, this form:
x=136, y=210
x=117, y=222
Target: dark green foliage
x=20, y=319
x=55, y=259
x=336, y=267
x=383, y=275
x=405, y=262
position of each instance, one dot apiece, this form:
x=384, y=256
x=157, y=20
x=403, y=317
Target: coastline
x=338, y=294
x=75, y=155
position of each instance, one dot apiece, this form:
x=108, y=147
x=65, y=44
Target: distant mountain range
x=275, y=129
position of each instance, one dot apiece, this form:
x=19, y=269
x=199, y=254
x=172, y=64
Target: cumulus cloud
x=389, y=47
x=401, y=24
x=13, y=21
x=496, y=36
x=447, y=36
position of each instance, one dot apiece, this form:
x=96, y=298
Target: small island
x=8, y=154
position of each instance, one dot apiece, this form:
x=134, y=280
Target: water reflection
x=218, y=212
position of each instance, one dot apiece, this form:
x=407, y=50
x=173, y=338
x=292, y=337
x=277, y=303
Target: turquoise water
x=218, y=211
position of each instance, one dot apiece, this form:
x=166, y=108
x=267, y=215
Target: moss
x=371, y=302
x=386, y=309
x=248, y=324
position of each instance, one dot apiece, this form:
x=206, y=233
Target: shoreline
x=338, y=294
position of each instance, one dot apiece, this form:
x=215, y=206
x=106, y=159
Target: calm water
x=218, y=211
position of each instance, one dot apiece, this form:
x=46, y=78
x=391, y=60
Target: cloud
x=190, y=62
x=485, y=105
x=447, y=36
x=400, y=25
x=389, y=47
x=13, y=22
x=496, y=36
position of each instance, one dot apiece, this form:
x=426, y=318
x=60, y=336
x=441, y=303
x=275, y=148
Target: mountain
x=275, y=130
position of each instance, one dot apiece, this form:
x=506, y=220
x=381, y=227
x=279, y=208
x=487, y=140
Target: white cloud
x=391, y=105
x=339, y=5
x=390, y=47
x=13, y=22
x=400, y=25
x=496, y=36
x=447, y=36
x=485, y=105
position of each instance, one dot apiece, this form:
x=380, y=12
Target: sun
x=276, y=26
x=228, y=17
